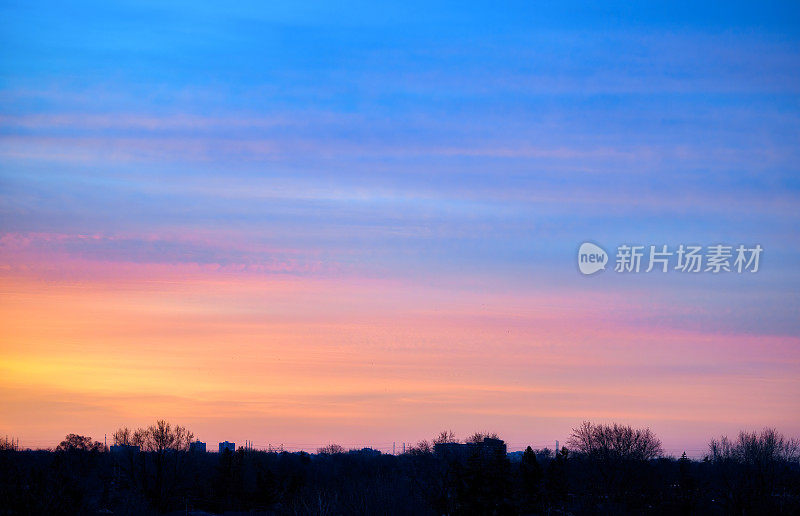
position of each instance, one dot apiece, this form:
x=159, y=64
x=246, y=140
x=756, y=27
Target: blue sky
x=414, y=138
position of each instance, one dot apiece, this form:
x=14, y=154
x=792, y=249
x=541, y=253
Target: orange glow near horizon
x=304, y=360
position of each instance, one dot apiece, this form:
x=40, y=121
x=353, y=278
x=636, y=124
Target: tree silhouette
x=752, y=471
x=756, y=473
x=161, y=468
x=331, y=449
x=423, y=447
x=445, y=437
x=556, y=479
x=615, y=442
x=75, y=442
x=478, y=437
x=7, y=443
x=531, y=476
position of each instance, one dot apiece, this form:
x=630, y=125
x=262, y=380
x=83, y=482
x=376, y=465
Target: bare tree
x=123, y=437
x=753, y=470
x=615, y=442
x=75, y=442
x=478, y=437
x=163, y=470
x=752, y=448
x=157, y=437
x=162, y=436
x=423, y=447
x=444, y=437
x=7, y=443
x=331, y=449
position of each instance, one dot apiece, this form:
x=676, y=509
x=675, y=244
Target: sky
x=304, y=223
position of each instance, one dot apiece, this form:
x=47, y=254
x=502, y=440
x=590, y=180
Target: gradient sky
x=304, y=223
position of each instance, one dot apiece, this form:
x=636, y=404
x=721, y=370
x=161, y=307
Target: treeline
x=603, y=469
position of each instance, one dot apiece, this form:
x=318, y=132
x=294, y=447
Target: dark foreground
x=441, y=481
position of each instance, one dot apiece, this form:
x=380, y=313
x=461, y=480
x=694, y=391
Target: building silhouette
x=123, y=448
x=460, y=452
